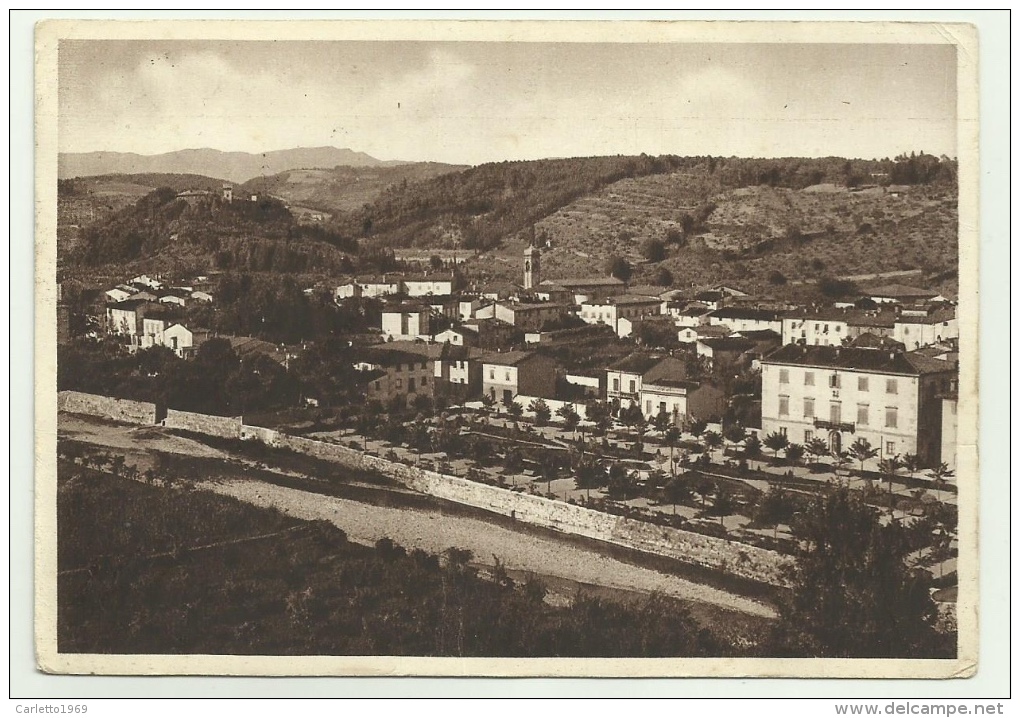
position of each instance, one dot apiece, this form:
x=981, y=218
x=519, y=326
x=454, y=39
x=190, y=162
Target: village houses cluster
x=882, y=366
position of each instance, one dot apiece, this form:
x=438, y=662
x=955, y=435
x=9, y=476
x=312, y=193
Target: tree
x=888, y=467
x=722, y=506
x=570, y=417
x=662, y=421
x=777, y=442
x=670, y=439
x=514, y=409
x=705, y=487
x=777, y=277
x=541, y=411
x=852, y=594
x=512, y=464
x=735, y=433
x=619, y=267
x=654, y=249
x=713, y=440
x=841, y=459
x=939, y=474
x=752, y=446
x=698, y=427
x=794, y=453
x=912, y=463
x=676, y=490
x=663, y=277
x=817, y=448
x=862, y=451
x=588, y=474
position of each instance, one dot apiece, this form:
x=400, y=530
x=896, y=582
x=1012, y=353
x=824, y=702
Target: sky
x=475, y=102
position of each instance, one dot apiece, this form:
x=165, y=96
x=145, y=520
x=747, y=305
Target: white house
x=405, y=323
x=428, y=284
x=611, y=310
x=915, y=330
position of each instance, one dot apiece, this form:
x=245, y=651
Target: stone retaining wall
x=125, y=410
x=224, y=426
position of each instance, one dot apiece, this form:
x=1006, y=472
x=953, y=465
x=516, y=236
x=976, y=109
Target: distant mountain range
x=235, y=166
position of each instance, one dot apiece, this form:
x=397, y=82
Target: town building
x=831, y=326
x=369, y=286
x=921, y=328
x=891, y=399
x=423, y=285
x=578, y=291
x=406, y=322
x=395, y=374
x=690, y=335
x=527, y=317
x=901, y=294
x=611, y=310
x=509, y=374
x=624, y=378
x=739, y=319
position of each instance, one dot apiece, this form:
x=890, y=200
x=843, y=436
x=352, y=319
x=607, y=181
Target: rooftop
x=859, y=358
x=584, y=282
x=512, y=358
x=895, y=291
x=761, y=315
x=636, y=363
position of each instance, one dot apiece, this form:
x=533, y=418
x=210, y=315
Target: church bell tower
x=532, y=262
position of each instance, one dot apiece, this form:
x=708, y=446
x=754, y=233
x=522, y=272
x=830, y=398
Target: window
x=782, y=431
x=648, y=407
x=632, y=386
x=410, y=384
x=809, y=378
x=834, y=381
x=662, y=407
x=377, y=386
x=862, y=414
x=809, y=408
x=862, y=383
x=400, y=383
x=784, y=406
x=506, y=376
x=836, y=413
x=890, y=417
x=616, y=385
x=808, y=435
x=890, y=448
x=784, y=376
x=492, y=373
x=890, y=386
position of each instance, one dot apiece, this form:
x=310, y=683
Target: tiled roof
x=512, y=358
x=584, y=282
x=636, y=363
x=761, y=315
x=877, y=360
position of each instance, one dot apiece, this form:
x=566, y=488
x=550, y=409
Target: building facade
x=840, y=394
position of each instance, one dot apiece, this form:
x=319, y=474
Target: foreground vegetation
x=183, y=571
x=172, y=572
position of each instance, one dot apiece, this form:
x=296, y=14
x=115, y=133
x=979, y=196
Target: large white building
x=890, y=398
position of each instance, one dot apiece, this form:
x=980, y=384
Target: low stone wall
x=224, y=426
x=269, y=437
x=125, y=410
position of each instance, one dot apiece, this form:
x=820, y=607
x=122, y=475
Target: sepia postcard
x=506, y=348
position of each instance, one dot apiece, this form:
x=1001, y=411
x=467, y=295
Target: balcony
x=835, y=426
